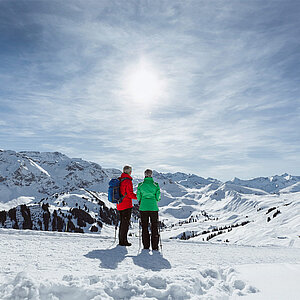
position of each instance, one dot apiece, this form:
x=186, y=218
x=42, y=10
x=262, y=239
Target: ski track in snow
x=51, y=265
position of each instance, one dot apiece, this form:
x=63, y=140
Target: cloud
x=231, y=74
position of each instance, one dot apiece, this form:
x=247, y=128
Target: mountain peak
x=40, y=174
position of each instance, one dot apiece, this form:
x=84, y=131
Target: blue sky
x=215, y=85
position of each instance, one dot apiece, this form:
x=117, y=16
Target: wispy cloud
x=231, y=71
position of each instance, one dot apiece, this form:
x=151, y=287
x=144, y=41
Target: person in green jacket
x=148, y=194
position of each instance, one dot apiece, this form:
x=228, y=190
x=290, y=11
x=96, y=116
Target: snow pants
x=153, y=216
x=125, y=216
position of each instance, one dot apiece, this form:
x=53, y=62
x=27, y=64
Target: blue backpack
x=114, y=194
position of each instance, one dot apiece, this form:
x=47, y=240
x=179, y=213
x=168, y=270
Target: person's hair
x=148, y=173
x=127, y=169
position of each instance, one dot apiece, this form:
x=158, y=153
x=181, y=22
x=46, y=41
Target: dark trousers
x=153, y=217
x=124, y=225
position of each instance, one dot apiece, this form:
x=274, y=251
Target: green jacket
x=148, y=194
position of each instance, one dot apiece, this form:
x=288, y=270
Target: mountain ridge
x=50, y=191
x=40, y=174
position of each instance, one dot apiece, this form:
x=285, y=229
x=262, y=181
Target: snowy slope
x=273, y=184
x=40, y=265
x=230, y=217
x=39, y=175
x=259, y=211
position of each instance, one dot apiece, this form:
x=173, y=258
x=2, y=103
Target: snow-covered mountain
x=41, y=174
x=41, y=190
x=273, y=184
x=38, y=175
x=188, y=180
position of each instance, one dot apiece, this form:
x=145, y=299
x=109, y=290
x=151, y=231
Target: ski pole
x=115, y=238
x=140, y=228
x=159, y=224
x=139, y=235
x=116, y=227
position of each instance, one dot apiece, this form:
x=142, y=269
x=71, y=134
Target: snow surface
x=15, y=202
x=52, y=265
x=268, y=277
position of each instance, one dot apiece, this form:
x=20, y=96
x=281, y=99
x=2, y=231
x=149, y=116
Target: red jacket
x=126, y=188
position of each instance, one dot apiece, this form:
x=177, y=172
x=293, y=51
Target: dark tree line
x=45, y=220
x=213, y=232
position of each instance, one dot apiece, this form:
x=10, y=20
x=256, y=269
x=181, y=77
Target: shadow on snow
x=154, y=262
x=110, y=258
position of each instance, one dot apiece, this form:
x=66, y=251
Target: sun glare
x=143, y=84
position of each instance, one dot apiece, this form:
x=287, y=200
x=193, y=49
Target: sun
x=143, y=83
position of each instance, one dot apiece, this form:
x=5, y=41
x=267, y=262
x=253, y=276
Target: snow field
x=51, y=265
x=211, y=283
x=276, y=281
x=263, y=228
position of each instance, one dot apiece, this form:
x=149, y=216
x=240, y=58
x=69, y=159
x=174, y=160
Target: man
x=148, y=194
x=125, y=206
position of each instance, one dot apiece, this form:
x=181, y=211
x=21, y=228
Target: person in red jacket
x=125, y=207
